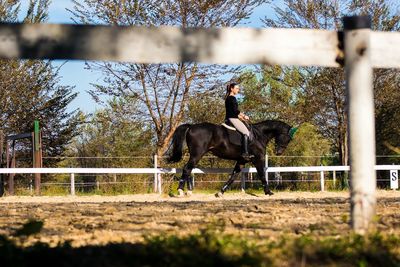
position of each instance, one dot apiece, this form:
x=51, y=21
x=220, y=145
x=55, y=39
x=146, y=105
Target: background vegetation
x=208, y=247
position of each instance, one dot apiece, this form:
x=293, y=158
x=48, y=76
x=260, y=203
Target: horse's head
x=282, y=140
x=278, y=130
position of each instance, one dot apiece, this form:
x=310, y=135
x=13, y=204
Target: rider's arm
x=242, y=116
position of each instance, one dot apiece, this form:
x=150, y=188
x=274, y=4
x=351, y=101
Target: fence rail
x=158, y=171
x=177, y=170
x=168, y=44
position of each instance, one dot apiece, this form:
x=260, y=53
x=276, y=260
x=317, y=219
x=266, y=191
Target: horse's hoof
x=219, y=194
x=269, y=193
x=181, y=193
x=189, y=193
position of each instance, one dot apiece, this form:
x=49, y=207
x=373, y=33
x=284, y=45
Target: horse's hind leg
x=236, y=170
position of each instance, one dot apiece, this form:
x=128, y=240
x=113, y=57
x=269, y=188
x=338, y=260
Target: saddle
x=234, y=136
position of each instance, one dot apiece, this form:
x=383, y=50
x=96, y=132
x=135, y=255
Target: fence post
x=322, y=182
x=159, y=183
x=361, y=121
x=31, y=185
x=334, y=179
x=72, y=184
x=243, y=181
x=155, y=187
x=266, y=167
x=157, y=177
x=12, y=165
x=394, y=179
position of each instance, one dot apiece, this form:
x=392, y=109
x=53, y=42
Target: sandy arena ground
x=104, y=219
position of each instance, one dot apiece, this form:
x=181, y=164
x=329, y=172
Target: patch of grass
x=202, y=249
x=54, y=191
x=209, y=247
x=352, y=250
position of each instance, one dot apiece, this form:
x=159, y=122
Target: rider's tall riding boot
x=245, y=144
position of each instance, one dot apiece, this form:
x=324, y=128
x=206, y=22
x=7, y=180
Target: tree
x=111, y=133
x=110, y=138
x=325, y=88
x=278, y=94
x=163, y=90
x=30, y=90
x=273, y=92
x=207, y=106
x=309, y=147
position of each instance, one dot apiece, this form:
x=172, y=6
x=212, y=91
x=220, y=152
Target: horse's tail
x=177, y=143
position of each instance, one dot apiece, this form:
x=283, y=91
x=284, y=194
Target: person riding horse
x=234, y=117
x=206, y=137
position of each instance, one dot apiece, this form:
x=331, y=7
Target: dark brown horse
x=204, y=137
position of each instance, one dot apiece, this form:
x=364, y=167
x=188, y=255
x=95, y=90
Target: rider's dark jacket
x=231, y=107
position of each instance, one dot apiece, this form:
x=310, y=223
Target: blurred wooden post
x=361, y=121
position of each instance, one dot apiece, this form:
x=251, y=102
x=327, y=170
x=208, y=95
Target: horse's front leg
x=260, y=166
x=237, y=169
x=186, y=172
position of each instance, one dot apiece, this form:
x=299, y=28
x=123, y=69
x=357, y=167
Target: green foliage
x=273, y=93
x=211, y=247
x=114, y=133
x=352, y=250
x=207, y=107
x=111, y=138
x=308, y=148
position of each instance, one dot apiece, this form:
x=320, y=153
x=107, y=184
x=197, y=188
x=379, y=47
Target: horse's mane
x=273, y=124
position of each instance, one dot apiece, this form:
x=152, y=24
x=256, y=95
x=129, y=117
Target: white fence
x=158, y=171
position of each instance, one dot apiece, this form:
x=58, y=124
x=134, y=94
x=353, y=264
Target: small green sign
x=36, y=131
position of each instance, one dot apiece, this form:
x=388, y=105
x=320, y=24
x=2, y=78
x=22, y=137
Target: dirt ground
x=99, y=220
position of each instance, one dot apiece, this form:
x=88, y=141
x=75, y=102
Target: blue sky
x=73, y=73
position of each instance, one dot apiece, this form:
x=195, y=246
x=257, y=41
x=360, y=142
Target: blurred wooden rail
x=168, y=44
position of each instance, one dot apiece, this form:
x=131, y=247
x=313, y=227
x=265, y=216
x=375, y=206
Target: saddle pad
x=234, y=136
x=228, y=127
